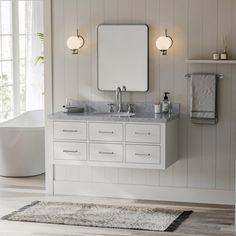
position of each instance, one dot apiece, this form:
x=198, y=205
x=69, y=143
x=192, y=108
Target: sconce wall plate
x=163, y=43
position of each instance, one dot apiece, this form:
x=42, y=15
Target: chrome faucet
x=119, y=97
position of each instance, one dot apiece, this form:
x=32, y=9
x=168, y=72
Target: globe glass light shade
x=75, y=42
x=163, y=43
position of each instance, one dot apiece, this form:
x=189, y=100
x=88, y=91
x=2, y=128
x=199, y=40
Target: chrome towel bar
x=218, y=76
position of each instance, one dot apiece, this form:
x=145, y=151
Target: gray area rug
x=96, y=215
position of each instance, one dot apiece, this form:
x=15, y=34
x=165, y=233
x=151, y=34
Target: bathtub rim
x=2, y=124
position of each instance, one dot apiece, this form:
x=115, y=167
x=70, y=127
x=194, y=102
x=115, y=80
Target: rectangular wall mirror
x=123, y=57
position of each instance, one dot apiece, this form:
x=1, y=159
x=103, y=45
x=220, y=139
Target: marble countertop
x=96, y=116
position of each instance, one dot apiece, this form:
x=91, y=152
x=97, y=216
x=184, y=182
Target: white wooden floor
x=206, y=219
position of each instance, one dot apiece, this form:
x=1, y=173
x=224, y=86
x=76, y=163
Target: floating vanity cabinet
x=118, y=142
x=146, y=141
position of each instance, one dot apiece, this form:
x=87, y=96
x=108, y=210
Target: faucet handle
x=131, y=108
x=110, y=107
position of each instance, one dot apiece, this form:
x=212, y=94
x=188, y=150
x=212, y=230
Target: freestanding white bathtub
x=22, y=145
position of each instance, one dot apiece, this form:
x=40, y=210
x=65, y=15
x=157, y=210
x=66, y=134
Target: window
x=21, y=79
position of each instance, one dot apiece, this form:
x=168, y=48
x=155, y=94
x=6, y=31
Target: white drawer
x=143, y=154
x=143, y=133
x=70, y=130
x=105, y=152
x=70, y=151
x=105, y=132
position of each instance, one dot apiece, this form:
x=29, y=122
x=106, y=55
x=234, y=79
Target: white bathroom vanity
x=146, y=140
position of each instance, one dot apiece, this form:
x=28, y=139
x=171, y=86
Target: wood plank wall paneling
x=58, y=30
x=206, y=153
x=84, y=58
x=180, y=31
x=209, y=41
x=70, y=22
x=166, y=71
x=224, y=127
x=195, y=49
x=233, y=107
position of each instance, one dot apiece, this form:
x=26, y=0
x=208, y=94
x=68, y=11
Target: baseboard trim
x=209, y=196
x=22, y=190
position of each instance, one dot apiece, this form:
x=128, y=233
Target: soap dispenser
x=165, y=104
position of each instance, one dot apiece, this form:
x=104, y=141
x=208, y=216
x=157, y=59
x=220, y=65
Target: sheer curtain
x=34, y=48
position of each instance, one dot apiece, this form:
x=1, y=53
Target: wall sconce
x=74, y=43
x=163, y=43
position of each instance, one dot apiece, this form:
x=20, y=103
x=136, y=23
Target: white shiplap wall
x=197, y=27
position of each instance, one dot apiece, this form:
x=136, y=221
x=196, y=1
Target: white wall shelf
x=199, y=61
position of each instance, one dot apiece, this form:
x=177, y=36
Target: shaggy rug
x=96, y=215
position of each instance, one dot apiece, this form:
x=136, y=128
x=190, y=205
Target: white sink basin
x=122, y=114
x=112, y=114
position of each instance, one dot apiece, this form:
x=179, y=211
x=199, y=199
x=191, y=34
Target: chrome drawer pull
x=142, y=154
x=107, y=153
x=106, y=132
x=70, y=130
x=142, y=133
x=70, y=151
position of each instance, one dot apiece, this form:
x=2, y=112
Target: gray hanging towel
x=203, y=91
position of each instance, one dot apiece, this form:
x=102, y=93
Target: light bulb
x=74, y=43
x=163, y=43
